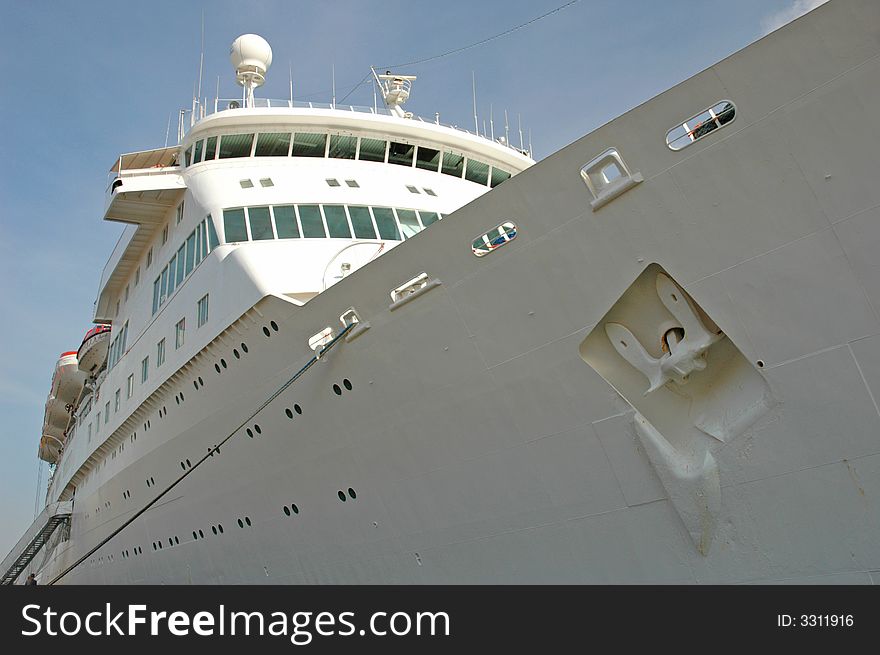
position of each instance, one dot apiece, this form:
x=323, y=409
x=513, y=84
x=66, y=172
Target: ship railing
x=132, y=172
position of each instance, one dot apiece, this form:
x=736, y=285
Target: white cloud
x=796, y=9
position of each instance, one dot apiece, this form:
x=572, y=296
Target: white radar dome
x=251, y=57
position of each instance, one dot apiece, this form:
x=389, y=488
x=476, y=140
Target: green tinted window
x=477, y=172
x=429, y=218
x=428, y=158
x=181, y=257
x=342, y=147
x=273, y=144
x=261, y=224
x=213, y=241
x=337, y=223
x=452, y=164
x=233, y=225
x=235, y=145
x=409, y=224
x=362, y=223
x=498, y=176
x=285, y=222
x=188, y=155
x=210, y=148
x=372, y=150
x=308, y=144
x=312, y=226
x=400, y=153
x=172, y=274
x=386, y=223
x=197, y=153
x=190, y=252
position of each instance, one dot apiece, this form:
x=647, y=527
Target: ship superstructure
x=648, y=358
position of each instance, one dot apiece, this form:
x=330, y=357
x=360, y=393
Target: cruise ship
x=349, y=345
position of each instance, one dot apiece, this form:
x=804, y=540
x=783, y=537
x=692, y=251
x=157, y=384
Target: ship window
x=164, y=235
x=188, y=155
x=430, y=192
x=233, y=225
x=285, y=222
x=372, y=150
x=477, y=172
x=145, y=371
x=266, y=182
x=498, y=176
x=337, y=223
x=179, y=213
x=412, y=189
x=428, y=158
x=409, y=223
x=179, y=333
x=429, y=218
x=181, y=257
x=156, y=294
x=400, y=153
x=342, y=147
x=332, y=182
x=452, y=164
x=494, y=239
x=696, y=127
x=126, y=293
x=172, y=274
x=260, y=223
x=129, y=388
x=202, y=312
x=386, y=223
x=137, y=276
x=312, y=225
x=235, y=145
x=116, y=398
x=163, y=286
x=353, y=184
x=246, y=184
x=213, y=241
x=308, y=144
x=210, y=148
x=203, y=238
x=362, y=223
x=197, y=153
x=149, y=257
x=190, y=252
x=160, y=353
x=273, y=144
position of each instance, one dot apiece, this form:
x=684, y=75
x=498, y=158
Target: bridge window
x=273, y=144
x=197, y=153
x=312, y=225
x=452, y=164
x=696, y=127
x=498, y=176
x=372, y=150
x=285, y=222
x=342, y=147
x=362, y=223
x=337, y=222
x=235, y=145
x=428, y=158
x=400, y=153
x=309, y=144
x=210, y=149
x=260, y=223
x=409, y=223
x=233, y=225
x=386, y=223
x=477, y=172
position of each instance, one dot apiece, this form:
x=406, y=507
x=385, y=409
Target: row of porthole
x=351, y=494
x=256, y=429
x=345, y=383
x=172, y=541
x=246, y=521
x=126, y=494
x=274, y=326
x=150, y=482
x=289, y=412
x=223, y=363
x=185, y=464
x=137, y=550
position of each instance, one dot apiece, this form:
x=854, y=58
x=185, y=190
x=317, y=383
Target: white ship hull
x=482, y=444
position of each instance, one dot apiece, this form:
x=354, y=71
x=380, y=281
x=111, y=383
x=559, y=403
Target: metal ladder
x=55, y=515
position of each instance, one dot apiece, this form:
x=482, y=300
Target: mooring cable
x=210, y=453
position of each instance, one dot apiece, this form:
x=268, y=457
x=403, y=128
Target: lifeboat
x=66, y=385
x=50, y=449
x=93, y=352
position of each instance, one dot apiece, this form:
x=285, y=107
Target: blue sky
x=86, y=81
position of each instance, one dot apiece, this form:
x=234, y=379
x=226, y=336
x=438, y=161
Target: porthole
x=176, y=541
x=698, y=126
x=244, y=347
x=201, y=534
x=177, y=399
x=352, y=493
x=195, y=536
x=266, y=331
x=196, y=384
x=170, y=542
x=289, y=413
x=258, y=429
x=274, y=325
x=236, y=353
x=294, y=508
x=347, y=384
x=297, y=409
x=182, y=399
x=188, y=464
x=286, y=510
x=182, y=466
x=249, y=433
x=240, y=523
x=220, y=527
x=341, y=495
x=223, y=363
x=214, y=529
x=217, y=367
x=337, y=390
x=247, y=521
x=201, y=382
x=494, y=239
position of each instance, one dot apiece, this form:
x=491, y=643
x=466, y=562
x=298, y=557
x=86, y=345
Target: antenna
x=519, y=122
x=506, y=129
x=217, y=95
x=531, y=152
x=167, y=129
x=395, y=91
x=290, y=77
x=201, y=58
x=474, y=86
x=180, y=118
x=333, y=80
x=492, y=121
